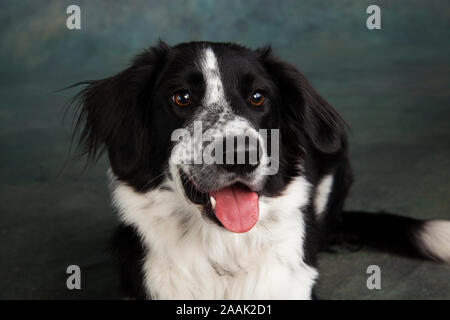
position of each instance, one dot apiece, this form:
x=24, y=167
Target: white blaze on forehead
x=214, y=88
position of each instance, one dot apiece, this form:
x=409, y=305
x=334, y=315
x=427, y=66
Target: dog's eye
x=257, y=98
x=182, y=98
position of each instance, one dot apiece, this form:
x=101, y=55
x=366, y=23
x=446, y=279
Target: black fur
x=129, y=251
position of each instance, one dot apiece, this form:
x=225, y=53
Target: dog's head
x=228, y=123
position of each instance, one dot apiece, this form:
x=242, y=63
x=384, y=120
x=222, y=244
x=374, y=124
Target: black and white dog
x=221, y=230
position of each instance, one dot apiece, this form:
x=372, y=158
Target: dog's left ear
x=322, y=123
x=311, y=114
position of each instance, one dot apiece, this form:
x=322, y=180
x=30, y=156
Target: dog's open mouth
x=235, y=206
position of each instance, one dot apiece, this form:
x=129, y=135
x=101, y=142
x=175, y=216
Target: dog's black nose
x=241, y=154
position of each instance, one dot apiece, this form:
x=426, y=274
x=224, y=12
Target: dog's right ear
x=112, y=111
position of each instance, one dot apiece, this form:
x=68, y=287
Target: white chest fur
x=192, y=258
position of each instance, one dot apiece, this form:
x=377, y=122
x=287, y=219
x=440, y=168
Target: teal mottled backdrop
x=392, y=86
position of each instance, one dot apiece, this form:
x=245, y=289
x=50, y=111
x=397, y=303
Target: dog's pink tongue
x=236, y=208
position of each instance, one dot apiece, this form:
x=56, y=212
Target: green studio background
x=391, y=85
